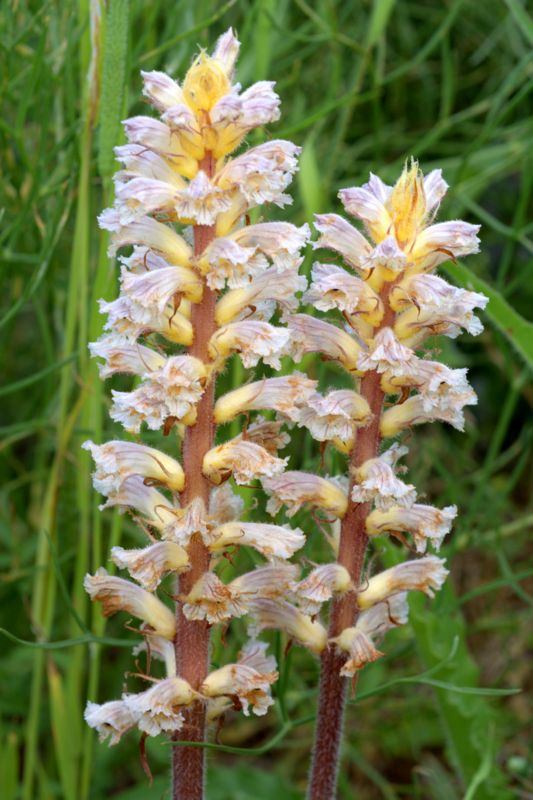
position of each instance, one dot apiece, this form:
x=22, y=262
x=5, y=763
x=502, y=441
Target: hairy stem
x=192, y=638
x=352, y=549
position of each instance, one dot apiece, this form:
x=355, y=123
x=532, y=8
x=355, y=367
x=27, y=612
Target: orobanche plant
x=200, y=285
x=390, y=302
x=182, y=203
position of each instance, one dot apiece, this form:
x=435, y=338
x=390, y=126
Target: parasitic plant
x=390, y=303
x=199, y=285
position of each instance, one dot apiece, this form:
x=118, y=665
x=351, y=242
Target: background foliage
x=364, y=85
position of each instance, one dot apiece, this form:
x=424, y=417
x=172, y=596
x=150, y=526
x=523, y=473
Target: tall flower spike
x=390, y=304
x=188, y=301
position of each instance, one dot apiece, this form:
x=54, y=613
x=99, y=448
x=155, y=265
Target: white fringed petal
x=117, y=594
x=250, y=687
x=335, y=416
x=386, y=353
x=425, y=523
x=149, y=564
x=259, y=298
x=155, y=710
x=293, y=489
x=286, y=395
x=171, y=391
x=117, y=460
x=244, y=460
x=321, y=585
x=112, y=719
x=337, y=234
x=310, y=335
x=134, y=493
x=161, y=90
x=120, y=355
x=147, y=232
x=375, y=480
x=425, y=574
x=333, y=287
x=280, y=614
x=253, y=340
x=359, y=642
x=272, y=541
x=202, y=201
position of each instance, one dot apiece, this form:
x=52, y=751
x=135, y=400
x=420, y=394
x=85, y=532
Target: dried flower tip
x=358, y=641
x=272, y=541
x=117, y=594
x=423, y=522
x=250, y=687
x=320, y=586
x=252, y=340
x=335, y=416
x=386, y=354
x=242, y=459
x=446, y=406
x=149, y=565
x=254, y=654
x=224, y=504
x=155, y=710
x=120, y=355
x=268, y=434
x=282, y=615
x=258, y=299
x=333, y=287
x=172, y=391
x=292, y=489
x=112, y=719
x=117, y=460
x=212, y=600
x=376, y=481
x=337, y=234
x=188, y=521
x=310, y=335
x=284, y=395
x=425, y=574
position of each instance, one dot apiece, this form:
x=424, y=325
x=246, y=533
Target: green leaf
x=381, y=12
x=113, y=83
x=310, y=181
x=62, y=733
x=515, y=328
x=523, y=20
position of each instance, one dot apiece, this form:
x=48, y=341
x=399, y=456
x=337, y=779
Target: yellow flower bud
x=205, y=83
x=407, y=204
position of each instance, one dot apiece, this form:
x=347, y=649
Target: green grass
x=363, y=86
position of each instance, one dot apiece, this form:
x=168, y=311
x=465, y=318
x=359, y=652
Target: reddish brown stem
x=352, y=548
x=192, y=638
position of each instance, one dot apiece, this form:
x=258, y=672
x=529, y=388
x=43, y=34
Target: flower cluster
x=384, y=302
x=199, y=285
